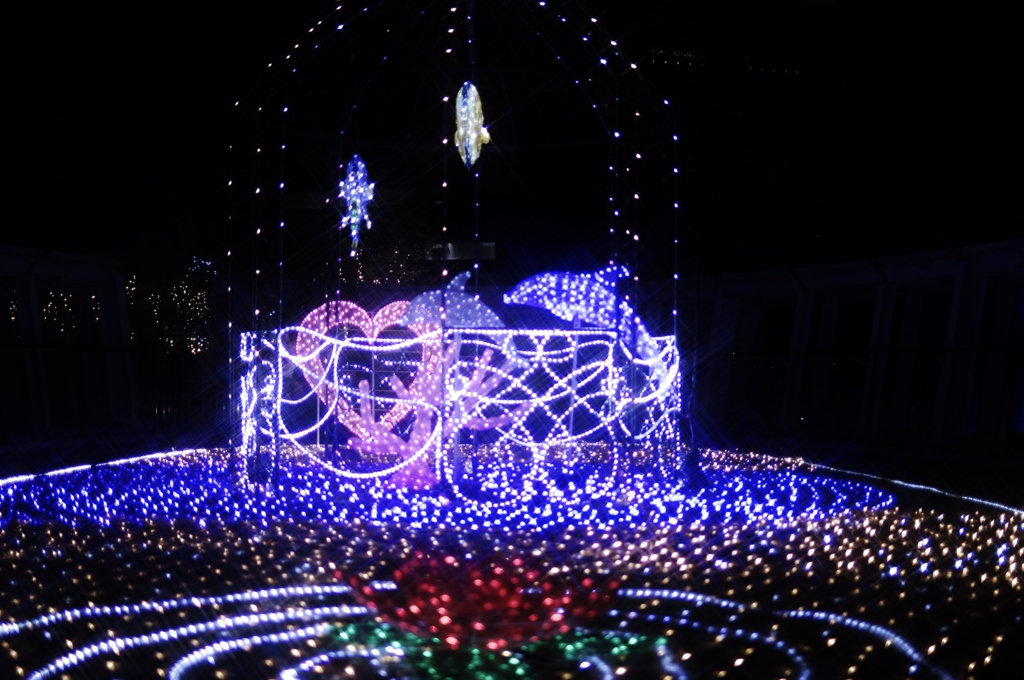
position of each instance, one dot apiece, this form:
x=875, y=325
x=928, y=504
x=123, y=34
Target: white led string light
x=881, y=632
x=669, y=666
x=374, y=654
x=599, y=665
x=69, y=615
x=209, y=653
x=115, y=645
x=770, y=640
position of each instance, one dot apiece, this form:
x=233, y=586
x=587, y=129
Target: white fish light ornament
x=470, y=133
x=357, y=191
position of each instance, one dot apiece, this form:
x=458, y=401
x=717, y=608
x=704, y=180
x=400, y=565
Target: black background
x=889, y=123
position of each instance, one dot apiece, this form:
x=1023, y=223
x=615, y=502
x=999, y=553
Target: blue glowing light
x=591, y=299
x=357, y=191
x=198, y=487
x=451, y=307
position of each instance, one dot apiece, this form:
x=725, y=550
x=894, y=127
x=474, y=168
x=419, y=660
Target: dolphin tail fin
x=458, y=282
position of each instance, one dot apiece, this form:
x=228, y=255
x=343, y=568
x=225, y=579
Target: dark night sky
x=902, y=125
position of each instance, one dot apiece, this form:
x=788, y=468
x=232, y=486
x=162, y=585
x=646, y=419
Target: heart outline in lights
x=324, y=319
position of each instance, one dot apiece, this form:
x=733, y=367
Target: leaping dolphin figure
x=460, y=309
x=591, y=298
x=453, y=307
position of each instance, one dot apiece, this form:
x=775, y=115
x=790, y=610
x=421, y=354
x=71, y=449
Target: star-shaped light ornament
x=357, y=192
x=470, y=133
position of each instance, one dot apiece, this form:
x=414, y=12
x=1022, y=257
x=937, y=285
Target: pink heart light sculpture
x=377, y=435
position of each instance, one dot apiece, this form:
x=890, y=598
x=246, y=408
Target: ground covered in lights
x=166, y=566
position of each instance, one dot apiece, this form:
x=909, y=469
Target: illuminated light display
x=470, y=133
x=59, y=314
x=412, y=402
x=541, y=463
x=198, y=486
x=160, y=563
x=348, y=394
x=224, y=624
x=357, y=192
x=163, y=606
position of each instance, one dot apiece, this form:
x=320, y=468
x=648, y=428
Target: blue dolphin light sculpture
x=453, y=307
x=591, y=299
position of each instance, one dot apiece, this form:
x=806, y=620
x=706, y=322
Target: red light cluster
x=496, y=602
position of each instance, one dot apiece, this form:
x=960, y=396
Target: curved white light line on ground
x=923, y=487
x=115, y=645
x=598, y=664
x=69, y=615
x=373, y=653
x=669, y=665
x=210, y=652
x=876, y=630
x=83, y=468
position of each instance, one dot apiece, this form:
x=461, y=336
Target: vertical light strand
x=675, y=273
x=611, y=200
x=694, y=333
x=476, y=171
x=438, y=457
x=233, y=424
x=675, y=222
x=476, y=204
x=280, y=224
x=255, y=288
x=634, y=245
x=280, y=295
x=614, y=197
x=255, y=273
x=444, y=188
x=341, y=213
x=614, y=255
x=445, y=99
